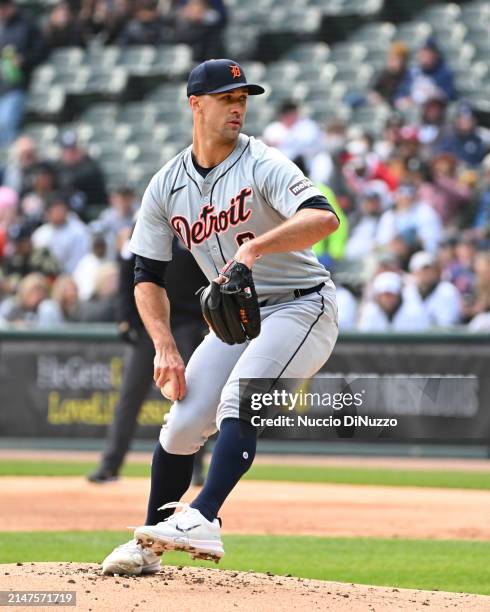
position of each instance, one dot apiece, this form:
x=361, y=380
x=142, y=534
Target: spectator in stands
x=440, y=299
x=388, y=311
x=105, y=19
x=63, y=234
x=389, y=84
x=102, y=305
x=325, y=165
x=464, y=141
x=85, y=273
x=461, y=271
x=347, y=308
x=31, y=305
x=364, y=225
x=480, y=298
x=200, y=24
x=81, y=176
x=444, y=191
x=299, y=138
x=63, y=29
x=17, y=174
x=65, y=295
x=44, y=182
x=433, y=122
x=24, y=259
x=9, y=201
x=429, y=77
x=8, y=209
x=364, y=168
x=410, y=218
x=481, y=223
x=21, y=50
x=481, y=312
x=146, y=27
x=120, y=215
x=386, y=145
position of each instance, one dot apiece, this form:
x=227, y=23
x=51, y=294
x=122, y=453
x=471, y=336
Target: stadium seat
x=103, y=113
x=171, y=94
x=414, y=33
x=445, y=13
x=374, y=34
x=313, y=52
x=97, y=55
x=42, y=78
x=348, y=52
x=138, y=60
x=172, y=61
x=42, y=133
x=47, y=104
x=255, y=71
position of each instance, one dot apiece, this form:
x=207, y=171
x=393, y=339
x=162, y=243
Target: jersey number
x=244, y=237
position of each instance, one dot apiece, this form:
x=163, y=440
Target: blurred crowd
x=26, y=42
x=413, y=250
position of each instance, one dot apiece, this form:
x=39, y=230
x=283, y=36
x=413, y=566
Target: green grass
x=341, y=475
x=449, y=565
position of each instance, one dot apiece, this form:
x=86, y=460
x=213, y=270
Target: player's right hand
x=169, y=373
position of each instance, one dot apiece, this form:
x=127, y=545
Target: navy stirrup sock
x=233, y=454
x=171, y=476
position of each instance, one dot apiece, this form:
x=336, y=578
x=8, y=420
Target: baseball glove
x=231, y=309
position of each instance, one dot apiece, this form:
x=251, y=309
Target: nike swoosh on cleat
x=187, y=528
x=177, y=189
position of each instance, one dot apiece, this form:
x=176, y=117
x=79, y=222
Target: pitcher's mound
x=204, y=589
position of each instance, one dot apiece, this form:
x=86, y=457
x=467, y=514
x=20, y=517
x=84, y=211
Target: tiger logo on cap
x=236, y=73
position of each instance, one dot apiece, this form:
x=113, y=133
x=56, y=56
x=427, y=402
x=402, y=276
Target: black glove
x=231, y=309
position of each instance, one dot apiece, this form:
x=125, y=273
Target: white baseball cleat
x=131, y=559
x=187, y=530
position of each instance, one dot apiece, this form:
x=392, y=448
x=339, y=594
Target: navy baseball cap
x=218, y=75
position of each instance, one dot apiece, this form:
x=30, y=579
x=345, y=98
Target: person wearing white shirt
x=410, y=219
x=64, y=235
x=440, y=299
x=388, y=311
x=347, y=307
x=299, y=138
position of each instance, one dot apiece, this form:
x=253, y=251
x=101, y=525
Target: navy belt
x=297, y=293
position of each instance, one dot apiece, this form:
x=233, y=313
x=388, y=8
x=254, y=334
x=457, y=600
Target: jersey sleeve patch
x=300, y=186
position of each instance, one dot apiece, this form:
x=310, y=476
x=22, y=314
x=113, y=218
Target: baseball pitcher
x=249, y=217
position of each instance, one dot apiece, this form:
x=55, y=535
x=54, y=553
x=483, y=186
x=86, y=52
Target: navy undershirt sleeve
x=148, y=270
x=318, y=202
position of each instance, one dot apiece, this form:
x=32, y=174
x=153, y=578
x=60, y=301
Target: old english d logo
x=236, y=73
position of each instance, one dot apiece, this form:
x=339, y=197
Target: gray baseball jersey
x=253, y=190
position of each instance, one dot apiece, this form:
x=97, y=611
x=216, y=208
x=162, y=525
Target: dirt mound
x=203, y=589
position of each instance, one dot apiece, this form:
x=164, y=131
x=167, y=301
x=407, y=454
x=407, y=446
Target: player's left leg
x=296, y=340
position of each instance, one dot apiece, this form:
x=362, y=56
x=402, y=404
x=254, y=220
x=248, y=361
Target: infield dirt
x=177, y=589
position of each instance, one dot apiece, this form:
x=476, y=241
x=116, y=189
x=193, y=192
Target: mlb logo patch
x=300, y=186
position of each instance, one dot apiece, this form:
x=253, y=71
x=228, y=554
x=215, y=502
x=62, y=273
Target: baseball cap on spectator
x=420, y=260
x=387, y=282
x=68, y=139
x=20, y=231
x=217, y=76
x=465, y=109
x=431, y=43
